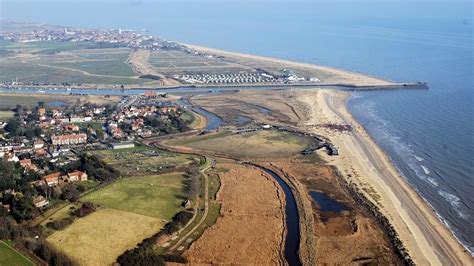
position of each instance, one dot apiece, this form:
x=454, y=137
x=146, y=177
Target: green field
x=142, y=160
x=109, y=62
x=5, y=115
x=177, y=62
x=155, y=196
x=44, y=47
x=9, y=256
x=130, y=210
x=100, y=237
x=259, y=144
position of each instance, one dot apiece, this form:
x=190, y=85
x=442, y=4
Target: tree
x=100, y=133
x=70, y=192
x=13, y=125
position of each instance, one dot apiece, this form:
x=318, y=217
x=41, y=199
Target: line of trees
x=192, y=183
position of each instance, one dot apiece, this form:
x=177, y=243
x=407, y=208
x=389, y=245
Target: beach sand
x=363, y=162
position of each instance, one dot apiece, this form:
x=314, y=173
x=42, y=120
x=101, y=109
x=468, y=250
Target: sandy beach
x=364, y=163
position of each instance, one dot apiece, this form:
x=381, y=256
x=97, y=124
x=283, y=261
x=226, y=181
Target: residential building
x=70, y=139
x=40, y=201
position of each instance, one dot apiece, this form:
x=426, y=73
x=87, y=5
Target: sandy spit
x=355, y=78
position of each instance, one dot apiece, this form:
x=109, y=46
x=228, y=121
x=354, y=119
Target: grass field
x=9, y=256
x=155, y=196
x=131, y=209
x=143, y=160
x=99, y=238
x=177, y=62
x=259, y=144
x=10, y=100
x=94, y=61
x=5, y=115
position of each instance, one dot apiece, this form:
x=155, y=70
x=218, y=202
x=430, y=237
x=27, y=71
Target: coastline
x=364, y=163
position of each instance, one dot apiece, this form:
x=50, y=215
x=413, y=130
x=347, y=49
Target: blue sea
x=428, y=134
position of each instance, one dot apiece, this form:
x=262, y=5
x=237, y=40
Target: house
x=122, y=145
x=71, y=127
x=168, y=109
x=26, y=163
x=38, y=144
x=11, y=157
x=77, y=176
x=52, y=179
x=70, y=139
x=38, y=183
x=149, y=94
x=40, y=201
x=41, y=111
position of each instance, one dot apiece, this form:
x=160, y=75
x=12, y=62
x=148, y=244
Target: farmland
x=178, y=62
x=9, y=100
x=155, y=196
x=259, y=144
x=103, y=235
x=9, y=256
x=62, y=62
x=148, y=201
x=5, y=115
x=144, y=161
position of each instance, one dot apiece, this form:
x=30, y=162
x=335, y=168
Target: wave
x=419, y=159
x=425, y=169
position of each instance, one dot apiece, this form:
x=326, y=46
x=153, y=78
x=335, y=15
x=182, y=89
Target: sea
x=428, y=134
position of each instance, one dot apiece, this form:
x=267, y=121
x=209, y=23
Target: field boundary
x=16, y=251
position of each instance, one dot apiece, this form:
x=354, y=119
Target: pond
x=326, y=204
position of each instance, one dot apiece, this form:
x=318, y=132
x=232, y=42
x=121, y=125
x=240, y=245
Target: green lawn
x=156, y=196
x=9, y=256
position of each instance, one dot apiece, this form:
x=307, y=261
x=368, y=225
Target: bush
x=86, y=209
x=61, y=224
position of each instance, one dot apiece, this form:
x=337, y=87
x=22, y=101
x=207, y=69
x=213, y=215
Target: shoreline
x=427, y=238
